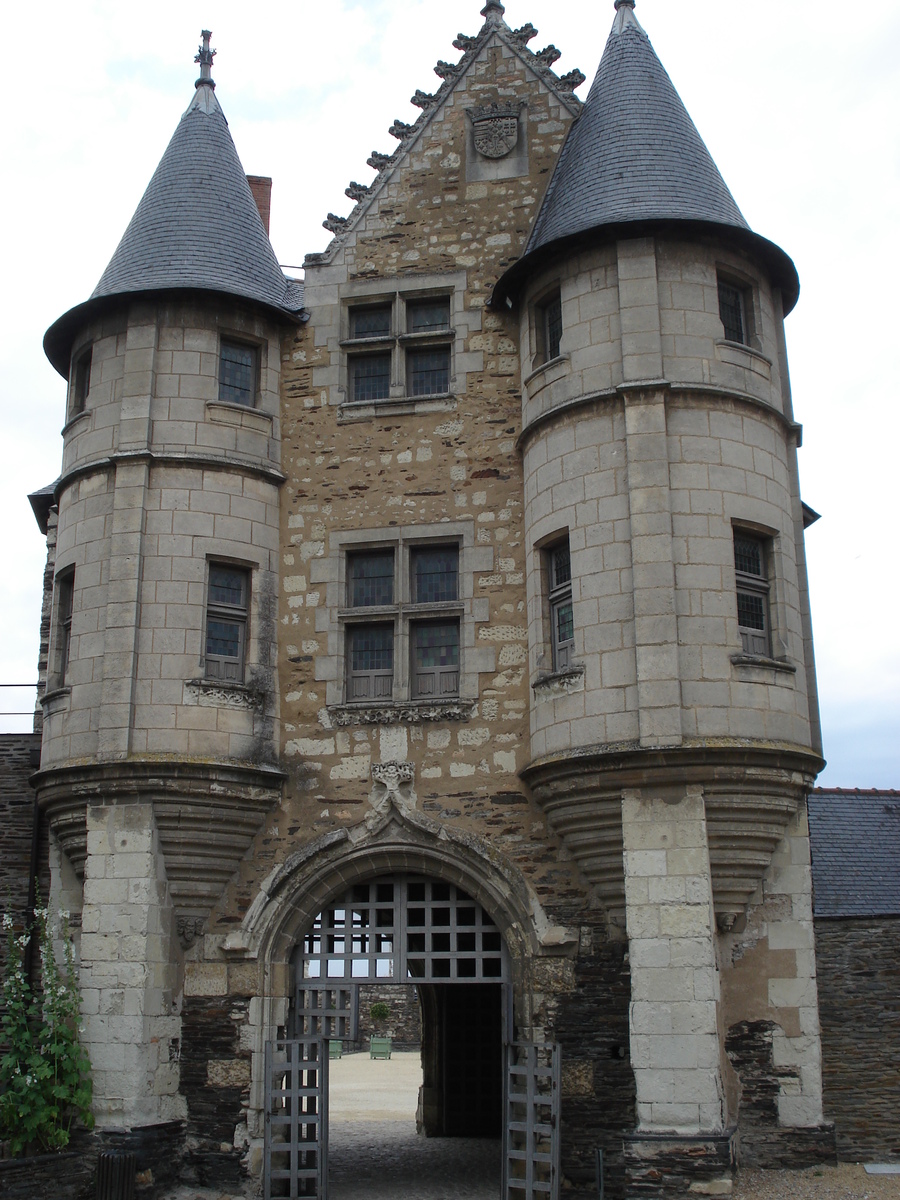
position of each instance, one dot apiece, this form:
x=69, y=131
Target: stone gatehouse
x=441, y=620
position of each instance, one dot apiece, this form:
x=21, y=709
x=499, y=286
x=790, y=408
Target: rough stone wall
x=18, y=754
x=859, y=1007
x=404, y=1024
x=448, y=470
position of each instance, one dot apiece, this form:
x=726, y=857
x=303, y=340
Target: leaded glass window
x=226, y=622
x=238, y=371
x=435, y=666
x=427, y=316
x=370, y=662
x=371, y=579
x=562, y=619
x=371, y=322
x=428, y=371
x=370, y=377
x=751, y=577
x=732, y=312
x=435, y=574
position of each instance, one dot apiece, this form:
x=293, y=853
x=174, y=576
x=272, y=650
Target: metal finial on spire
x=624, y=4
x=493, y=11
x=205, y=58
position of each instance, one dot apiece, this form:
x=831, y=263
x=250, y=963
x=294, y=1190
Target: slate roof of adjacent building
x=197, y=226
x=634, y=157
x=855, y=843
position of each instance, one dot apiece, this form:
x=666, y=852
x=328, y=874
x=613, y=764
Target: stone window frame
x=228, y=337
x=405, y=614
x=63, y=612
x=240, y=615
x=550, y=664
x=400, y=294
x=336, y=616
x=80, y=380
x=747, y=291
x=559, y=597
x=547, y=345
x=775, y=652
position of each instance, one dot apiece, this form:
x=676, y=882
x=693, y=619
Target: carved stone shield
x=496, y=136
x=496, y=129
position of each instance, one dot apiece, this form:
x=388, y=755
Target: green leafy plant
x=379, y=1012
x=45, y=1083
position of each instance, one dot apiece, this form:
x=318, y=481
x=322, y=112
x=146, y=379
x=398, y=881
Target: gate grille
x=296, y=1153
x=403, y=929
x=531, y=1137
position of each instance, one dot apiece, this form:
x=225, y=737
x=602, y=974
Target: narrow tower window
x=733, y=311
x=81, y=381
x=548, y=328
x=226, y=622
x=751, y=576
x=562, y=624
x=65, y=596
x=238, y=373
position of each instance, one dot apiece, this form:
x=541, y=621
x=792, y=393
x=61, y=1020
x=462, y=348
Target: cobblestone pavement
x=387, y=1160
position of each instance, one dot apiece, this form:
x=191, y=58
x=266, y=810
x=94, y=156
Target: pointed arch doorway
x=429, y=934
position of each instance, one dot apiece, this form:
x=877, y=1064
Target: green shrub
x=379, y=1011
x=45, y=1083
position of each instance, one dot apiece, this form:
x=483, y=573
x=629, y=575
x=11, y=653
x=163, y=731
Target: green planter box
x=379, y=1047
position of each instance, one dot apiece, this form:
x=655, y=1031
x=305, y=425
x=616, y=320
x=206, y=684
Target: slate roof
x=197, y=226
x=855, y=842
x=634, y=156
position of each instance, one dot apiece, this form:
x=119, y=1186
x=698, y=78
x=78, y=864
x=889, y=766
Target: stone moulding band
x=675, y=390
x=343, y=715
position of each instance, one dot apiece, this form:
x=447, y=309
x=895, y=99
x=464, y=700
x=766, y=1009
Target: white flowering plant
x=45, y=1083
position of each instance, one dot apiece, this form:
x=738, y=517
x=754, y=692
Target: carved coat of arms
x=496, y=128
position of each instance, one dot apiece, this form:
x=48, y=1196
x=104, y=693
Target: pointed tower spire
x=204, y=57
x=634, y=155
x=196, y=228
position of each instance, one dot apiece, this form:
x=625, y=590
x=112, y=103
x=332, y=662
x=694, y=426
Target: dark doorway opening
x=462, y=1060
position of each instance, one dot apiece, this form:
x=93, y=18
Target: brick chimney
x=261, y=187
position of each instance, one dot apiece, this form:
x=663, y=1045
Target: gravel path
x=848, y=1181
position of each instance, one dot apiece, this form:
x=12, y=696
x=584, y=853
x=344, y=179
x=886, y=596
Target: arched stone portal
x=463, y=927
x=431, y=935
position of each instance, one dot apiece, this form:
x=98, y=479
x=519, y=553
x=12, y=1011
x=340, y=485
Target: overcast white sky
x=798, y=100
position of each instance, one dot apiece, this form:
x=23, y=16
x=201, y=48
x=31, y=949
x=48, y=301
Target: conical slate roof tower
x=197, y=226
x=635, y=157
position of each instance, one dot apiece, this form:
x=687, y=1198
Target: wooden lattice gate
x=531, y=1124
x=296, y=1152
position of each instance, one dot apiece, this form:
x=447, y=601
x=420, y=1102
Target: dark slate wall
x=19, y=759
x=859, y=1008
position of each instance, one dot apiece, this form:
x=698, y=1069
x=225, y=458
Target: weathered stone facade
x=599, y=779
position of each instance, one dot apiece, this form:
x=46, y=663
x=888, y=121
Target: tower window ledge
x=239, y=416
x=739, y=354
x=54, y=694
x=555, y=367
x=559, y=683
x=761, y=660
x=73, y=422
x=220, y=693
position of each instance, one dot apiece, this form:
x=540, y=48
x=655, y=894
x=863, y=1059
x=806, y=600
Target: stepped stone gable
x=481, y=503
